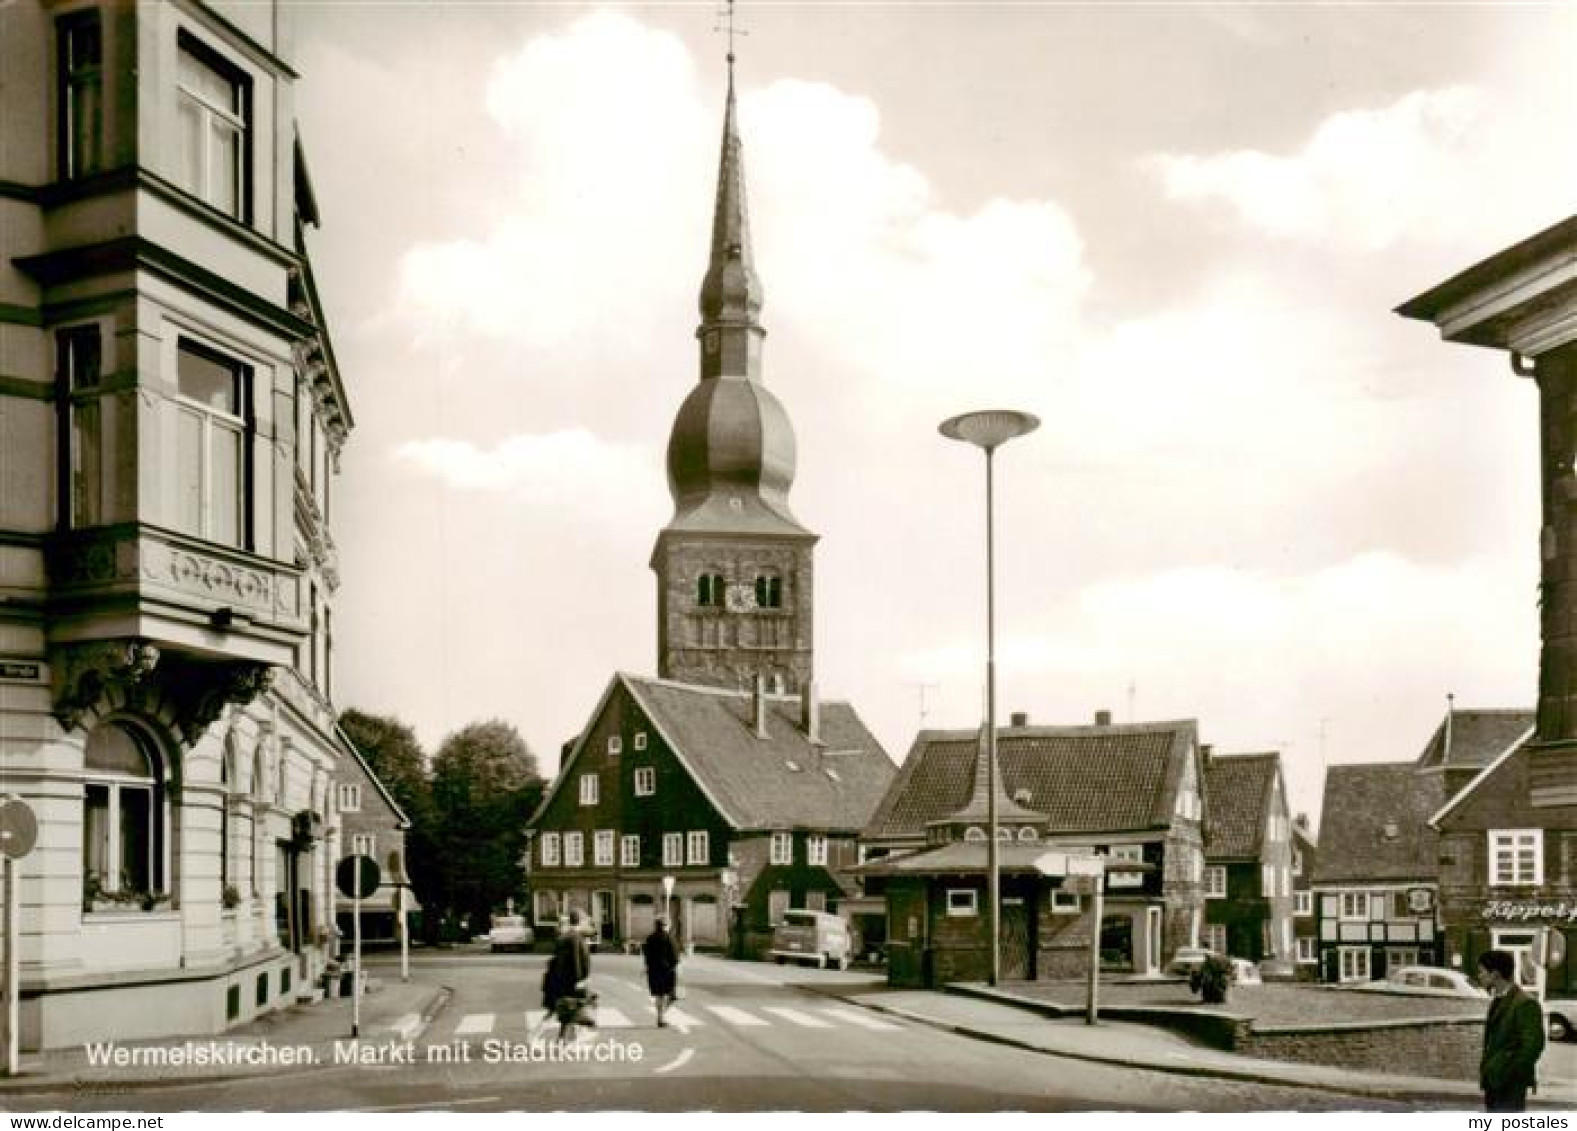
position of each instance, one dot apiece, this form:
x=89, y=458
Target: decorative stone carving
x=208, y=576
x=86, y=673
x=201, y=691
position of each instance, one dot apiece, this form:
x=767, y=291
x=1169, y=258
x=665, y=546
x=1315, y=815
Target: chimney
x=1302, y=821
x=759, y=699
x=1103, y=718
x=1205, y=750
x=810, y=712
x=1451, y=709
x=1021, y=718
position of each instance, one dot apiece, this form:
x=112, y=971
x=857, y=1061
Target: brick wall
x=1446, y=1048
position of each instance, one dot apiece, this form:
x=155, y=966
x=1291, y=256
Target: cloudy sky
x=1176, y=233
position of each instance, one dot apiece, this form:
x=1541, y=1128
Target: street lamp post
x=989, y=430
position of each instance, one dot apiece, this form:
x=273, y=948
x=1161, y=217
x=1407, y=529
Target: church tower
x=735, y=575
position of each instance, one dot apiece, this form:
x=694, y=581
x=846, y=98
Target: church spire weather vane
x=727, y=22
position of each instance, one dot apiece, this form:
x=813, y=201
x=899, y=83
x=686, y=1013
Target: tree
x=394, y=755
x=485, y=784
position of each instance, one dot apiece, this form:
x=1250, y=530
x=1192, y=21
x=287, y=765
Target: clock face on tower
x=739, y=598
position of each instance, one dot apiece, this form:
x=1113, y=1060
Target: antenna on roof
x=1451, y=707
x=921, y=688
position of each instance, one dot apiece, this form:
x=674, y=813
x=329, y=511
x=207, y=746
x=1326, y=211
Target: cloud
x=604, y=130
x=1365, y=179
x=571, y=469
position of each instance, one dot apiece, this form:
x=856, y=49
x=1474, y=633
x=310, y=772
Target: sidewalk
x=287, y=1041
x=991, y=1015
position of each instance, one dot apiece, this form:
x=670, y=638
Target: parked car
x=1425, y=981
x=812, y=936
x=509, y=933
x=1559, y=1015
x=1187, y=960
x=1190, y=958
x=1244, y=972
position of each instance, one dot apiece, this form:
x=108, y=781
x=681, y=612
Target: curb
x=1056, y=1011
x=1220, y=1072
x=34, y=1084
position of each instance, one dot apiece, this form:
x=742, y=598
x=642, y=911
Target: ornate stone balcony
x=180, y=593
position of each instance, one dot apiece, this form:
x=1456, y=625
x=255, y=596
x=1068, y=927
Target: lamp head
x=990, y=428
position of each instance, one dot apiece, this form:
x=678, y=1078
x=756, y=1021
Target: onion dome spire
x=731, y=294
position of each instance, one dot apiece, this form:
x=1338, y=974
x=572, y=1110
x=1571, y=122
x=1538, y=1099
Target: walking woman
x=562, y=992
x=662, y=967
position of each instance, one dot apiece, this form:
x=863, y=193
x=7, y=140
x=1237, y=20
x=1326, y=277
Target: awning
x=961, y=858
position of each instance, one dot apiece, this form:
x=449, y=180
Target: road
x=745, y=1037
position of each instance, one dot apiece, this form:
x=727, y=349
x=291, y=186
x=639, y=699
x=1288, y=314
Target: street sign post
x=1094, y=868
x=358, y=877
x=668, y=894
x=18, y=834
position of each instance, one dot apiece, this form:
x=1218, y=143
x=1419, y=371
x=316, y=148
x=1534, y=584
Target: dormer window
x=974, y=833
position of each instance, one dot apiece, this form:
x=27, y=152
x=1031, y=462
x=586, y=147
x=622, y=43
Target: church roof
x=731, y=451
x=731, y=290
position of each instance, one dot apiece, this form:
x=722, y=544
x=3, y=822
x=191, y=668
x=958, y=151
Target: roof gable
x=1085, y=779
x=1374, y=823
x=383, y=790
x=1239, y=792
x=572, y=754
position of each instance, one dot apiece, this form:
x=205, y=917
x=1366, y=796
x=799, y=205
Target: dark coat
x=1513, y=1041
x=569, y=966
x=662, y=962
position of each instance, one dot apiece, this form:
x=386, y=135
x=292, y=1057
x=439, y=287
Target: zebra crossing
x=531, y=1022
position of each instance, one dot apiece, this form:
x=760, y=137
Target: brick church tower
x=735, y=569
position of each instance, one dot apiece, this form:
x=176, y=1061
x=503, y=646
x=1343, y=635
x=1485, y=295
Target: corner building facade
x=171, y=417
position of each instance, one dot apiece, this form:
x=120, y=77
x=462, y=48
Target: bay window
x=214, y=423
x=80, y=94
x=214, y=100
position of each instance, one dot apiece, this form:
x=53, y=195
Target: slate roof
x=1238, y=791
x=1360, y=801
x=711, y=731
x=1085, y=779
x=1476, y=738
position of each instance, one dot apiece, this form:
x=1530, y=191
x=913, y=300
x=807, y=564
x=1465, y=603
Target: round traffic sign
x=357, y=876
x=18, y=828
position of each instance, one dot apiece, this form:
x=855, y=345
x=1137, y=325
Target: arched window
x=974, y=833
x=123, y=813
x=1027, y=833
x=769, y=592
